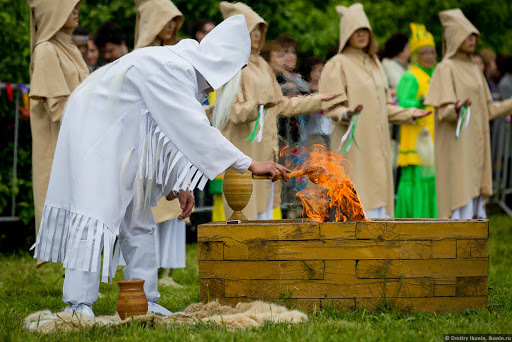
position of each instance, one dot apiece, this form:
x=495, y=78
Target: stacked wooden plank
x=427, y=265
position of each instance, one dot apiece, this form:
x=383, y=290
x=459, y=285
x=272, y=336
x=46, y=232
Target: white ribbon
x=461, y=127
x=345, y=137
x=261, y=114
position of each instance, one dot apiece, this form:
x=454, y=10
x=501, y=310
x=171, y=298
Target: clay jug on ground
x=131, y=299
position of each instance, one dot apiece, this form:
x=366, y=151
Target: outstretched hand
x=459, y=104
x=351, y=111
x=270, y=168
x=329, y=96
x=419, y=113
x=268, y=104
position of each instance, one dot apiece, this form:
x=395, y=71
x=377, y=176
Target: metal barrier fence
x=501, y=140
x=17, y=92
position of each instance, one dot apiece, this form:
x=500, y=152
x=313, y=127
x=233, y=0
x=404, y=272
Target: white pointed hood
x=221, y=54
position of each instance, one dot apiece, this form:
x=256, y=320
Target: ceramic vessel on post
x=237, y=189
x=131, y=299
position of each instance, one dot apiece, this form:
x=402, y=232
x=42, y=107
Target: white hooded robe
x=134, y=131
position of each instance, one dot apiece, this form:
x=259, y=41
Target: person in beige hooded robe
x=157, y=24
x=463, y=165
x=56, y=69
x=357, y=73
x=259, y=86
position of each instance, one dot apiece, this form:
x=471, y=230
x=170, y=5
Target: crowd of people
x=441, y=108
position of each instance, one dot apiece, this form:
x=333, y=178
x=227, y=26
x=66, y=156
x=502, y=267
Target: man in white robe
x=132, y=132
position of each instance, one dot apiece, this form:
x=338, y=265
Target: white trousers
x=474, y=209
x=377, y=213
x=171, y=239
x=139, y=250
x=170, y=243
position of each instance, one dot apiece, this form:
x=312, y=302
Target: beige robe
x=152, y=16
x=259, y=83
x=57, y=68
x=360, y=77
x=463, y=166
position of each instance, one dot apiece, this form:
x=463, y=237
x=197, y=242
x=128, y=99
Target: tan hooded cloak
x=152, y=16
x=259, y=83
x=56, y=69
x=360, y=77
x=463, y=166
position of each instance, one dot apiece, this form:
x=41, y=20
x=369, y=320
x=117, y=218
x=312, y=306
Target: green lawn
x=24, y=289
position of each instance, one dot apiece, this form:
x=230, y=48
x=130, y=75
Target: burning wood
x=334, y=198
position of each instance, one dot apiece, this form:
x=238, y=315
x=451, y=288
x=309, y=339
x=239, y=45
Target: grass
x=24, y=289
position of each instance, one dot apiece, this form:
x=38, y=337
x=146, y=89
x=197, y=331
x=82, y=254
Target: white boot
x=80, y=289
x=140, y=255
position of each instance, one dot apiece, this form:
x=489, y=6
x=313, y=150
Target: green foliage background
x=313, y=22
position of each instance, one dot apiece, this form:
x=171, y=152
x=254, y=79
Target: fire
x=333, y=198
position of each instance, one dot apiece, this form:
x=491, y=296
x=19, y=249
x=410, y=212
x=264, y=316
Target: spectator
x=291, y=82
x=273, y=53
x=318, y=126
x=292, y=130
x=492, y=74
x=111, y=41
x=80, y=37
x=200, y=28
x=93, y=55
x=396, y=58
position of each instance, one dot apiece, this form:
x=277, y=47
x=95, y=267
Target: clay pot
x=131, y=299
x=237, y=189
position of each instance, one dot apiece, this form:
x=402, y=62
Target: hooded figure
x=463, y=165
x=416, y=195
x=133, y=132
x=259, y=84
x=56, y=69
x=359, y=76
x=152, y=17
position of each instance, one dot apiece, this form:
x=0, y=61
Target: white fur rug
x=243, y=315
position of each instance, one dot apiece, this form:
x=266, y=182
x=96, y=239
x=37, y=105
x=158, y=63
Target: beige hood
x=48, y=16
x=152, y=16
x=252, y=18
x=352, y=19
x=456, y=29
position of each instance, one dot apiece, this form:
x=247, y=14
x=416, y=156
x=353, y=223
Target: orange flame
x=333, y=198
